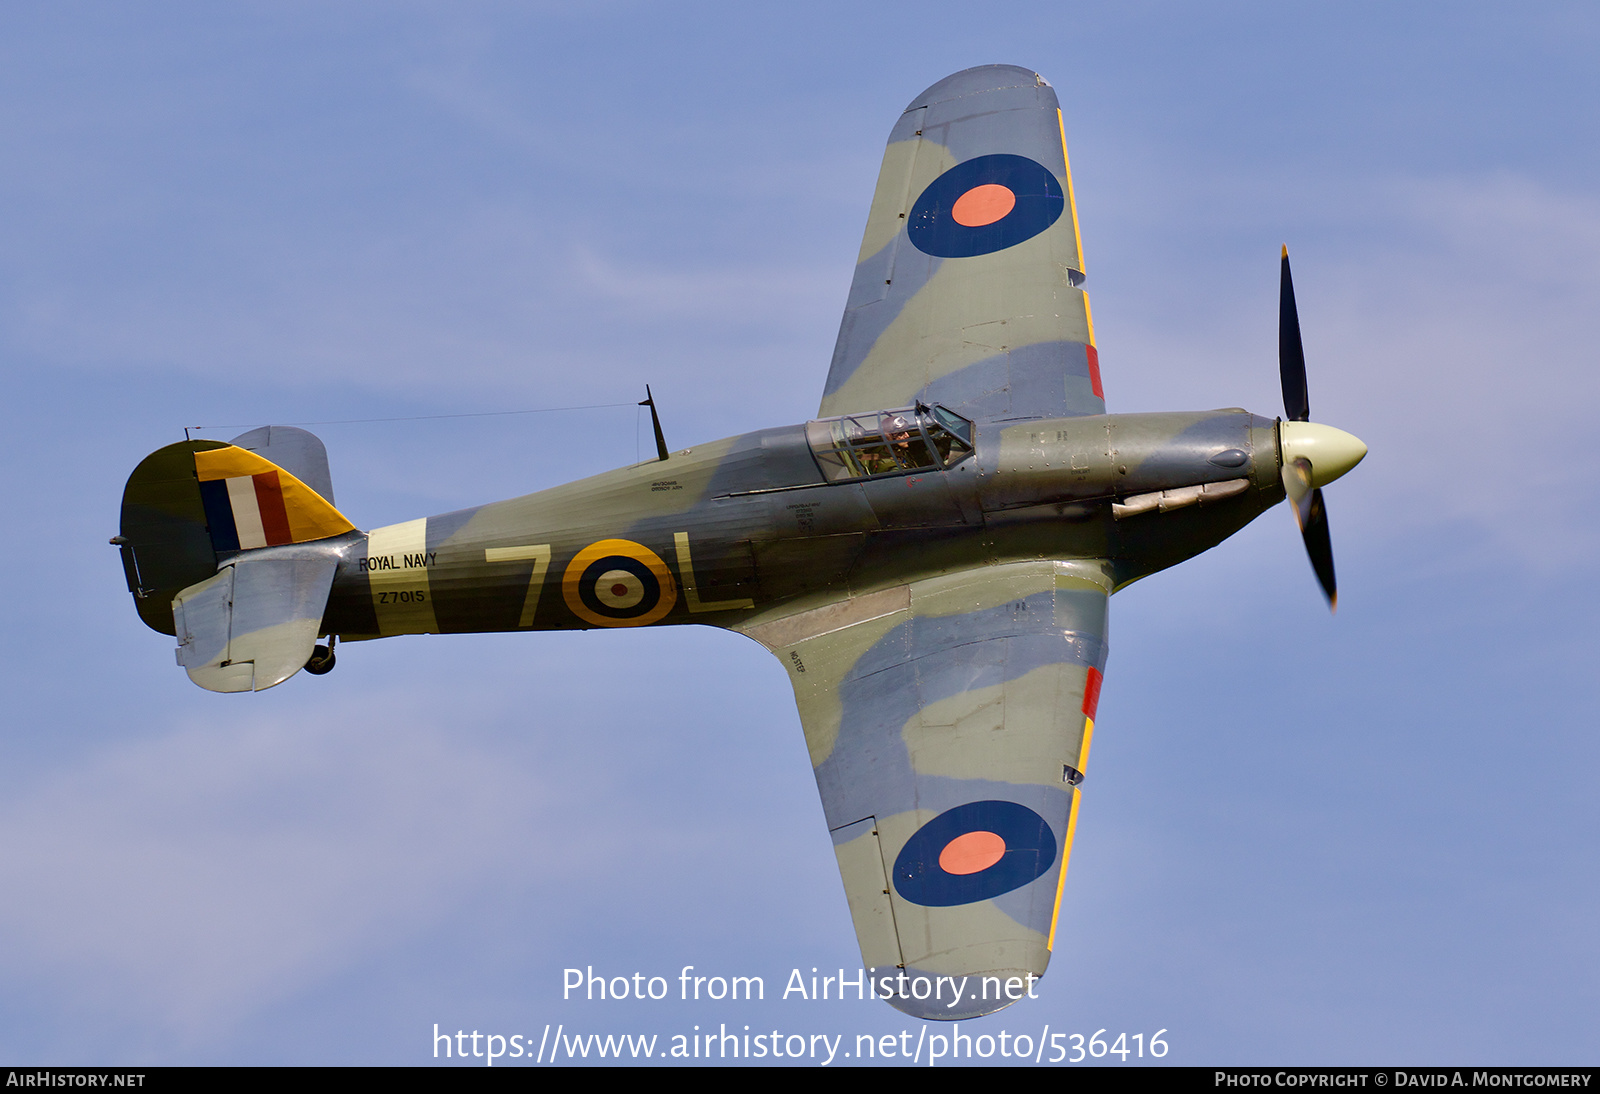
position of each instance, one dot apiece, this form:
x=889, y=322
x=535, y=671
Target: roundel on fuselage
x=618, y=583
x=984, y=205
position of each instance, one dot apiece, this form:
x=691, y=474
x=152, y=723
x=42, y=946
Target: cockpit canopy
x=890, y=442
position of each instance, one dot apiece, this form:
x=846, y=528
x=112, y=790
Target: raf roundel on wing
x=974, y=852
x=984, y=205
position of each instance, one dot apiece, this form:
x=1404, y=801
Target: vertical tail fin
x=252, y=502
x=188, y=503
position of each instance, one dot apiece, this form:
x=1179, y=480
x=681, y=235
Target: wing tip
x=975, y=81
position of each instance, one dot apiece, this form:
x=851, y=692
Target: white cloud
x=184, y=882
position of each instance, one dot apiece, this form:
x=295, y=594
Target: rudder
x=188, y=507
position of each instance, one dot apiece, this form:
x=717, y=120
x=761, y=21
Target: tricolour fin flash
x=252, y=502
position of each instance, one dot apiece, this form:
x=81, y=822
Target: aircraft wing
x=965, y=290
x=948, y=722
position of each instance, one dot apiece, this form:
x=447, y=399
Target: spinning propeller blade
x=1312, y=454
x=1291, y=354
x=1311, y=514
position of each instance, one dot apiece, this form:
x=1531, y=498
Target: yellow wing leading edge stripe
x=1066, y=856
x=1072, y=198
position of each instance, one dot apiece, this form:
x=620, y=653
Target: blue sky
x=1304, y=840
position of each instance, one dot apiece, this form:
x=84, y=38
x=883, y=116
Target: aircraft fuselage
x=722, y=530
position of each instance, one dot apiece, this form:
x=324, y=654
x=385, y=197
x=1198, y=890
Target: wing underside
x=965, y=291
x=948, y=722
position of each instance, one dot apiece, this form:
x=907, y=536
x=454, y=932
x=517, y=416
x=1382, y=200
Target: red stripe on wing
x=1091, y=692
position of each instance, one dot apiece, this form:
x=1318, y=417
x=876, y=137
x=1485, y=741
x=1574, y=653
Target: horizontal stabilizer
x=255, y=622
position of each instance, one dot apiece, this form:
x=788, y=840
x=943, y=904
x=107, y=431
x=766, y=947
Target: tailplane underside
x=255, y=623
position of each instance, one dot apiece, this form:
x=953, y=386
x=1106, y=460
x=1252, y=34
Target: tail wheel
x=322, y=661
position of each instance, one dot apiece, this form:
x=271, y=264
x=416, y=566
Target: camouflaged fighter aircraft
x=930, y=559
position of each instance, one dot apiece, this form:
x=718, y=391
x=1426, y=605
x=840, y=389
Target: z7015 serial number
x=407, y=596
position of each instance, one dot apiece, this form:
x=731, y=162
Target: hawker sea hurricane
x=929, y=559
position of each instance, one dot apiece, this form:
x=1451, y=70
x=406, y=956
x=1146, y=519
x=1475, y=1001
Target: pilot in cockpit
x=905, y=441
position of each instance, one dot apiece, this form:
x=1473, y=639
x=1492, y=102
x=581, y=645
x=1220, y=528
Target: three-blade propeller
x=1312, y=454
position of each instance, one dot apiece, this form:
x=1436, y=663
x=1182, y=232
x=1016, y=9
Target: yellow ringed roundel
x=618, y=583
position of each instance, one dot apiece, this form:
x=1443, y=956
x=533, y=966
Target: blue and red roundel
x=986, y=204
x=974, y=852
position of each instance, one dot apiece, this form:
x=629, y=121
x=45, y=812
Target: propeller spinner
x=1313, y=455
